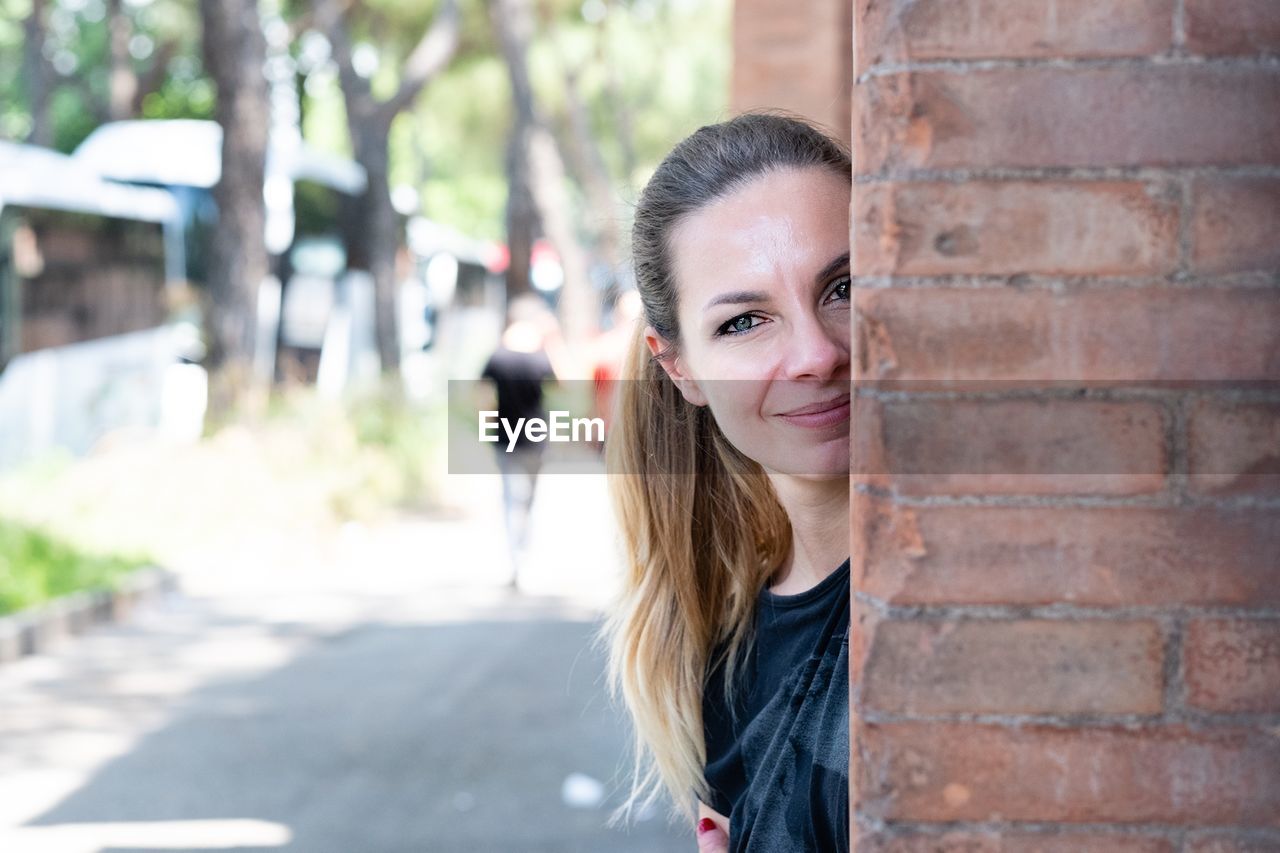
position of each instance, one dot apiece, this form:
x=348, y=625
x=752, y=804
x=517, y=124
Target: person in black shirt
x=789, y=723
x=729, y=642
x=517, y=368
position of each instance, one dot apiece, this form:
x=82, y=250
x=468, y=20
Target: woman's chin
x=829, y=464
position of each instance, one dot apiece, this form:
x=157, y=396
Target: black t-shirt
x=518, y=377
x=780, y=768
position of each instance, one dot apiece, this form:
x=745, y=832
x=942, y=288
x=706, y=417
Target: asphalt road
x=376, y=708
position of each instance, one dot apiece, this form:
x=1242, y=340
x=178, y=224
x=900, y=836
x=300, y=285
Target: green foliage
x=660, y=68
x=667, y=64
x=452, y=147
x=649, y=72
x=369, y=453
x=36, y=567
x=180, y=98
x=77, y=47
x=408, y=436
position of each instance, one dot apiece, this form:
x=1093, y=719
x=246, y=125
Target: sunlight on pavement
x=157, y=835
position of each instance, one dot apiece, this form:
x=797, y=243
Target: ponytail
x=702, y=531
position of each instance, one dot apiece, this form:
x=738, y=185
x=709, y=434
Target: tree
x=234, y=54
x=534, y=156
x=126, y=88
x=38, y=74
x=371, y=232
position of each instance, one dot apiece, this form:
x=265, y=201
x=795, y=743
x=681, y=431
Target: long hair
x=701, y=525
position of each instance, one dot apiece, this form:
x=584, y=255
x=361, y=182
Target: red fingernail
x=706, y=825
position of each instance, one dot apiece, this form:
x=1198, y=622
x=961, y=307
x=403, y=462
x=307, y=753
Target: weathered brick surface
x=1235, y=224
x=1233, y=665
x=896, y=32
x=1005, y=228
x=1234, y=448
x=1052, y=197
x=1156, y=774
x=1087, y=556
x=794, y=56
x=1125, y=335
x=1232, y=26
x=1174, y=115
x=1014, y=842
x=1238, y=843
x=1015, y=667
x=967, y=446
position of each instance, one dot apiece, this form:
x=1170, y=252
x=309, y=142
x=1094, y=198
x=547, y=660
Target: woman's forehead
x=781, y=224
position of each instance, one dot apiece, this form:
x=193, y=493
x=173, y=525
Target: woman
x=730, y=641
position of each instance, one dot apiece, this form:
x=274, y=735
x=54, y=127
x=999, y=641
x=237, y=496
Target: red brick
x=1012, y=842
x=1157, y=115
x=1236, y=223
x=966, y=772
x=1002, y=228
x=1122, y=335
x=965, y=446
x=1234, y=448
x=1232, y=26
x=1015, y=667
x=1233, y=665
x=1105, y=557
x=898, y=31
x=794, y=56
x=1234, y=844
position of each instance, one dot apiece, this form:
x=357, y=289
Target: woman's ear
x=674, y=367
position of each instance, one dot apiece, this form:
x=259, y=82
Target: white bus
x=87, y=271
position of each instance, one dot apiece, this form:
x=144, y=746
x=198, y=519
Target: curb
x=37, y=629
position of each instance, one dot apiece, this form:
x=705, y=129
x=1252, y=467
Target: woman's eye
x=738, y=325
x=840, y=288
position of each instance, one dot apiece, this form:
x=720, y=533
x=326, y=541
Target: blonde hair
x=702, y=532
x=702, y=527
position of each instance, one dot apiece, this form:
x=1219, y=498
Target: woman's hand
x=712, y=830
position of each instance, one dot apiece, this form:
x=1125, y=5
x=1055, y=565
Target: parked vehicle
x=90, y=271
x=304, y=196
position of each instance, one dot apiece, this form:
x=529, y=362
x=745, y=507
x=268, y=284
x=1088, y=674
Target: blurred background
x=244, y=245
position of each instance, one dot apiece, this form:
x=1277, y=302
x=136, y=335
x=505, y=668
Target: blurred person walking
x=524, y=360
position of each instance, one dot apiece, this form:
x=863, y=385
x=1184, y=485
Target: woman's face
x=763, y=303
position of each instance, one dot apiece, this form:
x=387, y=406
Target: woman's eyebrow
x=736, y=297
x=832, y=268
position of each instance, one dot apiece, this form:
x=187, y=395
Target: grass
x=36, y=567
x=375, y=451
x=275, y=491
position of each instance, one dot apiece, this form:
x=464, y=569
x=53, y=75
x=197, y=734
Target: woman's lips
x=820, y=414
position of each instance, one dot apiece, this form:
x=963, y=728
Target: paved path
x=397, y=700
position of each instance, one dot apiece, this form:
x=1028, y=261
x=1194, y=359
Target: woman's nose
x=817, y=350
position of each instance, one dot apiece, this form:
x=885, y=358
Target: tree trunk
x=522, y=214
x=122, y=89
x=234, y=54
x=370, y=226
x=597, y=186
x=36, y=71
x=546, y=177
x=579, y=305
x=371, y=236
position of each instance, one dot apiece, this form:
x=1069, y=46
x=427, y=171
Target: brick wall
x=1067, y=564
x=794, y=56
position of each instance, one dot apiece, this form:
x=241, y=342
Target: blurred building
x=88, y=277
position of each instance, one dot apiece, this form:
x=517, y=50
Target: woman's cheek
x=736, y=406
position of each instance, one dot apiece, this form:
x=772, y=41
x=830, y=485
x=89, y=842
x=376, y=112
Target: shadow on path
x=389, y=738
